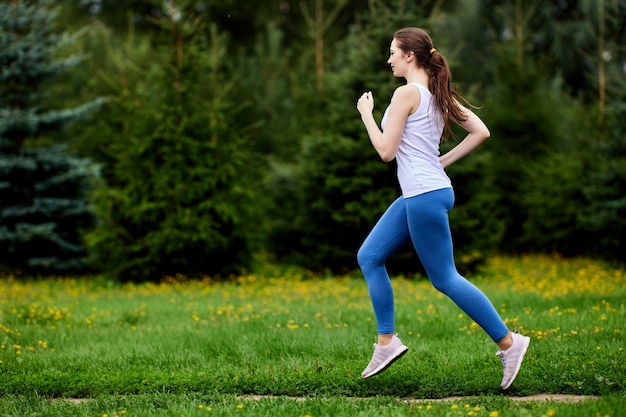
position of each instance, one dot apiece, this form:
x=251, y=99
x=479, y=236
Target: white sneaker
x=512, y=358
x=384, y=356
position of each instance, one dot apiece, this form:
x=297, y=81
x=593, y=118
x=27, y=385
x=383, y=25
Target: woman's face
x=397, y=60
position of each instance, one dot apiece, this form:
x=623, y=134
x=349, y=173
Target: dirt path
x=537, y=397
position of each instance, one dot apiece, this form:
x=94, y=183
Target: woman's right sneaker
x=384, y=356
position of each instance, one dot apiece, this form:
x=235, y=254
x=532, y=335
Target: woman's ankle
x=384, y=339
x=506, y=342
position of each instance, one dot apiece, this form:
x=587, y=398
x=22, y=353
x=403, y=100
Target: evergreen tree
x=560, y=170
x=524, y=112
x=178, y=195
x=605, y=215
x=42, y=210
x=604, y=218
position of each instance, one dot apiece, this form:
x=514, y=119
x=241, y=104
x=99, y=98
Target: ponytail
x=444, y=93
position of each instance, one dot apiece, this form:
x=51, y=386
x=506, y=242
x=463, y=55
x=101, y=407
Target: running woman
x=417, y=119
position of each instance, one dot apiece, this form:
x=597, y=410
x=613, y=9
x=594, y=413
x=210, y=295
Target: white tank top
x=419, y=169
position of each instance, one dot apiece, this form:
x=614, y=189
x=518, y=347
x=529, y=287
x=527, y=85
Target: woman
x=419, y=116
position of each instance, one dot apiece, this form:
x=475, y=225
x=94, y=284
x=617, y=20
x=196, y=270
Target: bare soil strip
x=538, y=397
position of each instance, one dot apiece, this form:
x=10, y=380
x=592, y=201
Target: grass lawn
x=285, y=343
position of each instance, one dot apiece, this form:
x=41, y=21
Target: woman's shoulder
x=406, y=91
x=419, y=87
x=407, y=96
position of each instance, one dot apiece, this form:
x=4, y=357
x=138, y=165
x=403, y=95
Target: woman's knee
x=367, y=259
x=446, y=281
x=363, y=257
x=443, y=286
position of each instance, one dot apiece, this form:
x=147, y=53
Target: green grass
x=89, y=347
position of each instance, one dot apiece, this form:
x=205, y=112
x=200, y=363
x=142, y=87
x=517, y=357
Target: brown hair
x=418, y=41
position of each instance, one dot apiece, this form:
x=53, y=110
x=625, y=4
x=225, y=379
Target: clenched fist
x=365, y=104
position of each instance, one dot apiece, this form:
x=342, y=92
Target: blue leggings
x=424, y=220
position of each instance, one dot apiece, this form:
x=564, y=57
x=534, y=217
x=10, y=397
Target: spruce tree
x=42, y=211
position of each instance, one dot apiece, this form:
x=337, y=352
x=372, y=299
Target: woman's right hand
x=365, y=104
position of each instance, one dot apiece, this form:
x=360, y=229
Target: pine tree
x=42, y=212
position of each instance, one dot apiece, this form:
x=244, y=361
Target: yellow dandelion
x=454, y=406
x=494, y=414
x=551, y=413
x=239, y=406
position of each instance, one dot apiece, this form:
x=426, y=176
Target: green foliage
x=276, y=94
x=604, y=218
x=522, y=113
x=549, y=179
x=29, y=47
x=551, y=225
x=44, y=211
x=334, y=207
x=555, y=180
x=179, y=190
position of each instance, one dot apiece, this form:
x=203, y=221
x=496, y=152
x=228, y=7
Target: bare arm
x=402, y=103
x=477, y=132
